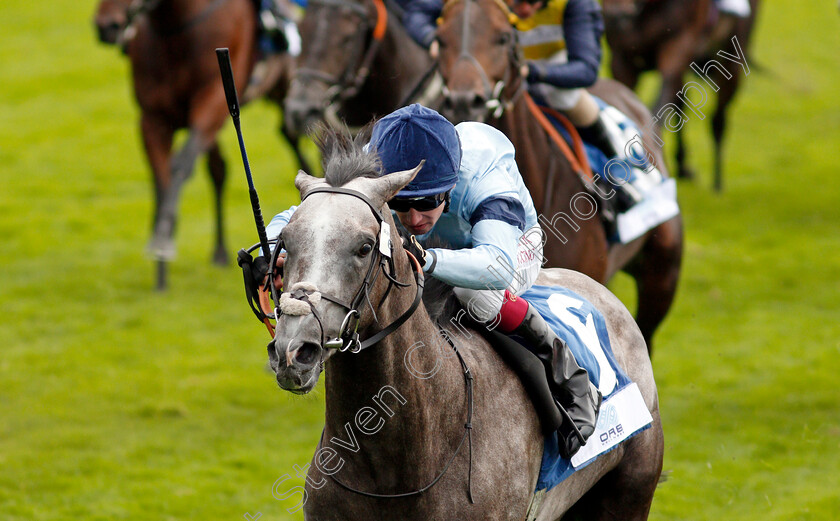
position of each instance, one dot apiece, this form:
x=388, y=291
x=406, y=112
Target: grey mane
x=441, y=302
x=343, y=156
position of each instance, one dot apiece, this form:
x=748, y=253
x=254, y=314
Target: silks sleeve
x=278, y=222
x=489, y=264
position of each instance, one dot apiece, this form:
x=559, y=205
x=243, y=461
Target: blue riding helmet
x=406, y=136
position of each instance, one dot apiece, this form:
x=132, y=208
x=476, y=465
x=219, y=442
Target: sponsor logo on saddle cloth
x=623, y=413
x=655, y=194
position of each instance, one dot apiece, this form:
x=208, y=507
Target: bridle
x=347, y=85
x=493, y=94
x=348, y=336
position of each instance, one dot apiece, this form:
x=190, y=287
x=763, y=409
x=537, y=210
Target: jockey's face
x=526, y=9
x=419, y=223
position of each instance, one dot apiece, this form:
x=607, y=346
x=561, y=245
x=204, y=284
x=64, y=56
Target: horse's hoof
x=160, y=277
x=220, y=257
x=685, y=173
x=161, y=249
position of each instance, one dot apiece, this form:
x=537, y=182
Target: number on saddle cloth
x=583, y=328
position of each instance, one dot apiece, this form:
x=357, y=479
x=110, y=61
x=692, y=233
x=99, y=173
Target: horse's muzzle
x=301, y=114
x=297, y=364
x=108, y=33
x=461, y=106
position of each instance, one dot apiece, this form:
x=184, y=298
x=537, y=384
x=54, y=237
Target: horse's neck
x=170, y=14
x=548, y=176
x=395, y=383
x=398, y=66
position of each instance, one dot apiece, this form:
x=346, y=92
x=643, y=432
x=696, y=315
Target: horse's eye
x=504, y=39
x=365, y=250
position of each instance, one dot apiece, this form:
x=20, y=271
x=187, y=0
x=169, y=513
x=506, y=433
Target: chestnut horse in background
x=177, y=86
x=668, y=35
x=478, y=50
x=357, y=62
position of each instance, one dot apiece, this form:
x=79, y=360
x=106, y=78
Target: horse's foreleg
x=294, y=142
x=672, y=61
x=683, y=171
x=157, y=140
x=180, y=167
x=218, y=171
x=725, y=95
x=657, y=271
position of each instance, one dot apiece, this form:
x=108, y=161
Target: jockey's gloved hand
x=259, y=269
x=413, y=247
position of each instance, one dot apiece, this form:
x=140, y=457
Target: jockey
x=470, y=195
x=277, y=25
x=561, y=42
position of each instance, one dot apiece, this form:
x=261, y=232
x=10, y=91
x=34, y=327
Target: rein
x=348, y=337
x=349, y=340
x=577, y=159
x=257, y=294
x=467, y=436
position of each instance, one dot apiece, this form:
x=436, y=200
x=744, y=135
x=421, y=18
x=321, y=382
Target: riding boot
x=568, y=381
x=598, y=135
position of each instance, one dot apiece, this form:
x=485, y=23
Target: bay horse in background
x=667, y=36
x=357, y=62
x=416, y=462
x=480, y=63
x=177, y=86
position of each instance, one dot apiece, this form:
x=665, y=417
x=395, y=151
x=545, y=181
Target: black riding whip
x=245, y=260
x=223, y=55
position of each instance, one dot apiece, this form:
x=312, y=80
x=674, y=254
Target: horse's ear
x=389, y=185
x=305, y=182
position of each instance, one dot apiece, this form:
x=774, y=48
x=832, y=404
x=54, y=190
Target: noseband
x=348, y=335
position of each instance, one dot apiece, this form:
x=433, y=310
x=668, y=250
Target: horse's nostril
x=479, y=103
x=307, y=354
x=273, y=358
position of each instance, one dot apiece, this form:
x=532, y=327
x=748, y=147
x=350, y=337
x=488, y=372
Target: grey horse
x=395, y=411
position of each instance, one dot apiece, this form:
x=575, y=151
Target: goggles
x=421, y=204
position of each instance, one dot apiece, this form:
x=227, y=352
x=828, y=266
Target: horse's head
x=338, y=38
x=110, y=19
x=478, y=58
x=334, y=271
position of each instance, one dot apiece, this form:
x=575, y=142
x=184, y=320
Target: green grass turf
x=120, y=403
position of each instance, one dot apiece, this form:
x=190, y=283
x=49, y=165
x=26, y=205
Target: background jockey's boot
x=568, y=381
x=598, y=135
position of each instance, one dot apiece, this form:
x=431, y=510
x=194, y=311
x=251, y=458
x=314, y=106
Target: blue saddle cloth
x=584, y=329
